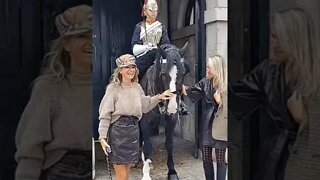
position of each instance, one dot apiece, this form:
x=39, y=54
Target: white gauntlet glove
x=139, y=50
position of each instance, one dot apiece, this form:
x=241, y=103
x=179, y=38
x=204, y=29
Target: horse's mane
x=169, y=48
x=148, y=81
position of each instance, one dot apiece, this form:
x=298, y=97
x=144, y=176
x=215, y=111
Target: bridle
x=162, y=74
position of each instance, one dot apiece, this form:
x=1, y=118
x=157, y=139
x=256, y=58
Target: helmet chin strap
x=151, y=20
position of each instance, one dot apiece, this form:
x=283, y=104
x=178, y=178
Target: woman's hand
x=165, y=95
x=105, y=146
x=296, y=107
x=184, y=89
x=217, y=97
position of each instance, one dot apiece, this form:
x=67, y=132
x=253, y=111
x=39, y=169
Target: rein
x=154, y=89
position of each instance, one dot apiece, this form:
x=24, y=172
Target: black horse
x=167, y=72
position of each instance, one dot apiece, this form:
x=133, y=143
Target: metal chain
x=109, y=167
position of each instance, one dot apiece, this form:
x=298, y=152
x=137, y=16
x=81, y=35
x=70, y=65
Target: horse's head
x=172, y=71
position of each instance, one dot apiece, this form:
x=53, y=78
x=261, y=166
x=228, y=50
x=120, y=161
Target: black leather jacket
x=264, y=87
x=204, y=89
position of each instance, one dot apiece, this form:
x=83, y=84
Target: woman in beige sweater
x=53, y=137
x=120, y=110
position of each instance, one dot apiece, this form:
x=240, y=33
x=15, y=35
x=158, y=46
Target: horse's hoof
x=151, y=166
x=138, y=164
x=173, y=177
x=134, y=165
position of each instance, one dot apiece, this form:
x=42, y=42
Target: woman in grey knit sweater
x=120, y=110
x=53, y=137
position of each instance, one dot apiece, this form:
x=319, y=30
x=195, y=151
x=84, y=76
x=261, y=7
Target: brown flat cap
x=75, y=20
x=126, y=61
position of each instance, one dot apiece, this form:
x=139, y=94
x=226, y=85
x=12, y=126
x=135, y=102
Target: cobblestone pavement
x=187, y=167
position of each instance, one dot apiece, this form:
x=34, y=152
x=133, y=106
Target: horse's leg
x=171, y=122
x=145, y=136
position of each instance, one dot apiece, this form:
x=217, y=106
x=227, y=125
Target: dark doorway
x=248, y=45
x=26, y=29
x=114, y=22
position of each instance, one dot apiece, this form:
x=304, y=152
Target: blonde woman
x=283, y=84
x=53, y=137
x=212, y=89
x=295, y=41
x=120, y=111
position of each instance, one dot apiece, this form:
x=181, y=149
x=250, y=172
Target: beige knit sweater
x=220, y=122
x=57, y=118
x=123, y=100
x=304, y=160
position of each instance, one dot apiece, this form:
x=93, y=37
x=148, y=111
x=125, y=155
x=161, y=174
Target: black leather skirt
x=124, y=140
x=73, y=166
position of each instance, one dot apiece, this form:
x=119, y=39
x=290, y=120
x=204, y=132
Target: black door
x=248, y=45
x=20, y=54
x=114, y=22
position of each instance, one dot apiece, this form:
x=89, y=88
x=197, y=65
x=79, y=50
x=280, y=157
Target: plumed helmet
x=149, y=4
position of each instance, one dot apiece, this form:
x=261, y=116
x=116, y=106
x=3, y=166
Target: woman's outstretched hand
x=165, y=95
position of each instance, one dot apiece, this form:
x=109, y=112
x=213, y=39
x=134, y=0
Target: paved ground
x=188, y=167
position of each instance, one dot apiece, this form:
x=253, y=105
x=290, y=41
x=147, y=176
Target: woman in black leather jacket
x=279, y=84
x=211, y=89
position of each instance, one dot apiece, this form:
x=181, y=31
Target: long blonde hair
x=295, y=31
x=218, y=65
x=57, y=61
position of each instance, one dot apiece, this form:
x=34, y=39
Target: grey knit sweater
x=57, y=118
x=123, y=100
